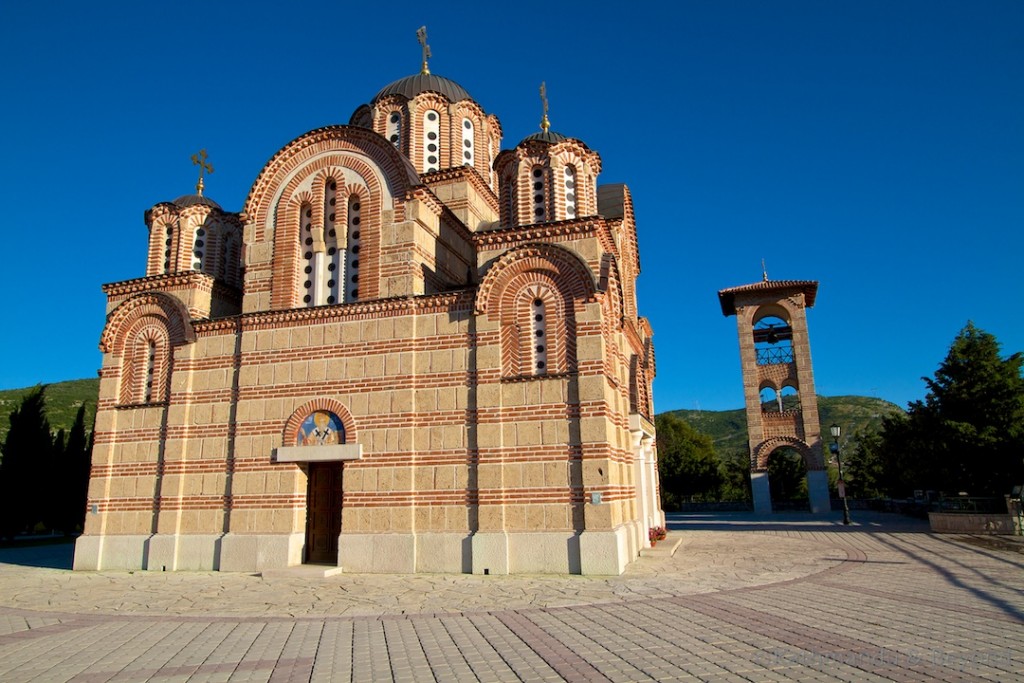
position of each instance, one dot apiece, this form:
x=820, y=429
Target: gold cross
x=200, y=161
x=544, y=123
x=421, y=35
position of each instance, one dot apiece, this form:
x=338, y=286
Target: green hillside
x=728, y=428
x=62, y=402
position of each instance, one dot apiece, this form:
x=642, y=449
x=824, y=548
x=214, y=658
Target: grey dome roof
x=187, y=200
x=545, y=136
x=411, y=86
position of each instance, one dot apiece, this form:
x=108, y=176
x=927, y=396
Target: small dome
x=411, y=86
x=549, y=136
x=187, y=200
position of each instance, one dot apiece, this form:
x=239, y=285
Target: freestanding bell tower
x=778, y=381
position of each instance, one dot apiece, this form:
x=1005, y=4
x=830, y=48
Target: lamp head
x=836, y=430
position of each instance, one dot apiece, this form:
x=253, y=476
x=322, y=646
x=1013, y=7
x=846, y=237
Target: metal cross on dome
x=200, y=161
x=421, y=35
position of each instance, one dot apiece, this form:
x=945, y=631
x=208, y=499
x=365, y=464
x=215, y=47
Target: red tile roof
x=727, y=297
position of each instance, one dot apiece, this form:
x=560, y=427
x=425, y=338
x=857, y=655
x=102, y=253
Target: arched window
x=199, y=239
x=509, y=219
x=539, y=193
x=229, y=263
x=773, y=341
x=431, y=141
x=538, y=328
x=351, y=275
x=168, y=246
x=467, y=142
x=150, y=372
x=394, y=129
x=330, y=276
x=770, y=400
x=570, y=191
x=789, y=398
x=308, y=260
x=144, y=366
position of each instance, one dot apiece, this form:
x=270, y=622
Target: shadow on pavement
x=48, y=556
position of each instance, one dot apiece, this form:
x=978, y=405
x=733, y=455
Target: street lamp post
x=841, y=485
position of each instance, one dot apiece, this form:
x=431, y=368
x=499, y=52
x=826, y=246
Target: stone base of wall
x=95, y=553
x=186, y=552
x=971, y=523
x=256, y=552
x=565, y=552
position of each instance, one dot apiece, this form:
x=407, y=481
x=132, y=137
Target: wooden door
x=323, y=512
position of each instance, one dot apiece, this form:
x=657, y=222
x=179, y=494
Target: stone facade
x=775, y=356
x=446, y=335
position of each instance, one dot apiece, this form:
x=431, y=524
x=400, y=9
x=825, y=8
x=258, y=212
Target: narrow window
x=431, y=141
x=147, y=389
x=168, y=241
x=539, y=193
x=198, y=247
x=351, y=282
x=570, y=192
x=306, y=247
x=329, y=281
x=467, y=142
x=394, y=129
x=538, y=324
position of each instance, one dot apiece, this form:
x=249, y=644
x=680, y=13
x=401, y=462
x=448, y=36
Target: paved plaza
x=744, y=598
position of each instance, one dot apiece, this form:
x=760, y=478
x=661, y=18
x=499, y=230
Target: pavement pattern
x=786, y=597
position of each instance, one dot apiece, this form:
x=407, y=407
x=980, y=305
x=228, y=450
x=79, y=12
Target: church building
x=409, y=351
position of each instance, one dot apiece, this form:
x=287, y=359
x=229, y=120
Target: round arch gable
x=399, y=174
x=170, y=311
x=567, y=271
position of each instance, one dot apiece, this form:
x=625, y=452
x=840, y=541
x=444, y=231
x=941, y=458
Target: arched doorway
x=787, y=479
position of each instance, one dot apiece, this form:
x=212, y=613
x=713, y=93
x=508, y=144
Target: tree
x=968, y=432
x=687, y=464
x=787, y=475
x=735, y=470
x=26, y=450
x=864, y=465
x=74, y=461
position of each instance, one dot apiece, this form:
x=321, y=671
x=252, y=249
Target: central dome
x=411, y=86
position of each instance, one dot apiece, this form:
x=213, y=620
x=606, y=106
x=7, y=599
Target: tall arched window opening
x=770, y=402
x=467, y=142
x=539, y=193
x=538, y=325
x=147, y=390
x=431, y=141
x=773, y=341
x=351, y=275
x=394, y=129
x=168, y=241
x=570, y=191
x=198, y=247
x=308, y=260
x=330, y=280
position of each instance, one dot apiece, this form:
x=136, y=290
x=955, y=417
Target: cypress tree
x=27, y=451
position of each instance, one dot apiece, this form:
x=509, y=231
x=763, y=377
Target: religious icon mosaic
x=320, y=429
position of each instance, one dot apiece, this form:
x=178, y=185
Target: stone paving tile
x=783, y=598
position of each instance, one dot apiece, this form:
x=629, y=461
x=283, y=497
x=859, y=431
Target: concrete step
x=666, y=548
x=302, y=571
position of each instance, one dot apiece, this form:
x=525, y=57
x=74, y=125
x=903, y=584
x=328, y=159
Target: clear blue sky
x=875, y=146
